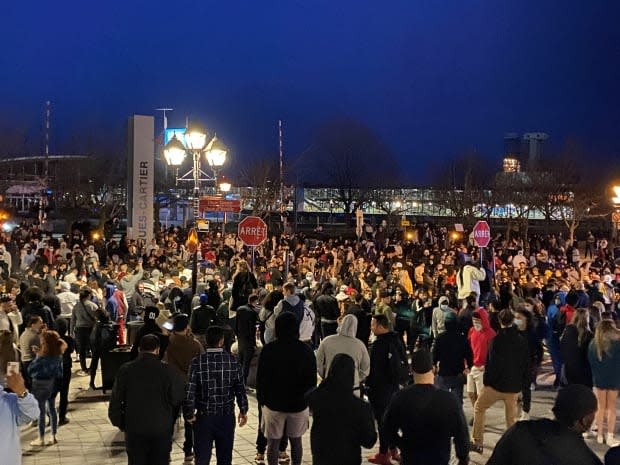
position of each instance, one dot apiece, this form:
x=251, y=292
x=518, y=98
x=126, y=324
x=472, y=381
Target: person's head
x=85, y=293
x=476, y=319
x=33, y=295
x=348, y=326
x=288, y=289
x=180, y=323
x=422, y=367
x=581, y=321
x=506, y=318
x=51, y=344
x=35, y=323
x=150, y=313
x=522, y=318
x=149, y=344
x=379, y=324
x=215, y=337
x=574, y=407
x=444, y=303
x=341, y=375
x=605, y=333
x=287, y=327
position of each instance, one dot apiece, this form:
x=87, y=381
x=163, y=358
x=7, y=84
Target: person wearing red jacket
x=479, y=337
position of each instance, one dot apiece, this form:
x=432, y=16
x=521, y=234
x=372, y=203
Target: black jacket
x=145, y=396
x=245, y=326
x=286, y=372
x=363, y=322
x=326, y=306
x=542, y=442
x=450, y=351
x=342, y=422
x=381, y=381
x=508, y=361
x=575, y=356
x=427, y=418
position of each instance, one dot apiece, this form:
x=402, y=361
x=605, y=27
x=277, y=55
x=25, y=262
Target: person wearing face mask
x=548, y=441
x=440, y=312
x=523, y=322
x=479, y=337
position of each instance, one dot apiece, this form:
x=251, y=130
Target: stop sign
x=482, y=234
x=252, y=231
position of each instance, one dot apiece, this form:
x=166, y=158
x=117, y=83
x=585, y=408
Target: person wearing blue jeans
x=215, y=382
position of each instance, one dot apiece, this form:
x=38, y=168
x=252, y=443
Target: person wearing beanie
x=545, y=441
x=422, y=420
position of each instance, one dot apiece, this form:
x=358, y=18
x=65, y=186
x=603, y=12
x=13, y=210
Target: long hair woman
x=604, y=358
x=574, y=348
x=46, y=373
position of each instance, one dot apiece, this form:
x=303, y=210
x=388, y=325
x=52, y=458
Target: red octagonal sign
x=482, y=234
x=252, y=231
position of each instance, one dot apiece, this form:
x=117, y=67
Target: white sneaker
x=51, y=442
x=611, y=442
x=39, y=442
x=524, y=416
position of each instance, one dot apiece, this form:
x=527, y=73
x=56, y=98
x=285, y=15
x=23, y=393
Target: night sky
x=432, y=78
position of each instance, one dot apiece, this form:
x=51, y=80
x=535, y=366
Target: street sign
x=252, y=231
x=202, y=224
x=482, y=234
x=210, y=203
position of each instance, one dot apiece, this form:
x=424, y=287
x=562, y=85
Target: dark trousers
x=82, y=338
x=379, y=403
x=245, y=352
x=26, y=376
x=218, y=429
x=261, y=440
x=188, y=443
x=453, y=384
x=64, y=392
x=148, y=449
x=94, y=363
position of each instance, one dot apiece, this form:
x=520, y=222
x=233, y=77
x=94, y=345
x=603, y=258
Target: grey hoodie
x=270, y=320
x=344, y=342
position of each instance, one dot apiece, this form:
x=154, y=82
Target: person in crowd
x=286, y=372
x=245, y=329
x=67, y=363
x=440, y=314
x=150, y=326
x=342, y=422
x=344, y=342
x=479, y=337
x=145, y=396
x=17, y=408
x=244, y=285
x=604, y=358
x=83, y=319
x=386, y=356
x=468, y=280
x=182, y=349
x=33, y=297
x=291, y=303
x=505, y=374
x=215, y=382
x=46, y=374
x=452, y=358
x=547, y=441
x=203, y=316
x=574, y=348
x=326, y=307
x=67, y=299
x=524, y=321
x=421, y=420
x=102, y=339
x=554, y=334
x=29, y=345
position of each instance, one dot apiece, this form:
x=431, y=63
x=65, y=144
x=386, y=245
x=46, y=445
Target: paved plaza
x=90, y=439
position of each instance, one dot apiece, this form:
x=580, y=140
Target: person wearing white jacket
x=344, y=342
x=468, y=281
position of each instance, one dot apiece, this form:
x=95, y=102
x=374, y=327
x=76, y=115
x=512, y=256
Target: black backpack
x=297, y=310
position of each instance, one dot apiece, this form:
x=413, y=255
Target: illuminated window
x=511, y=165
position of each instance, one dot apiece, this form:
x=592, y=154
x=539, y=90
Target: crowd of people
x=395, y=330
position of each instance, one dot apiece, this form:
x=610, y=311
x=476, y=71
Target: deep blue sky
x=433, y=78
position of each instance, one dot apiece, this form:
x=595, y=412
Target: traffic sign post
x=252, y=231
x=482, y=234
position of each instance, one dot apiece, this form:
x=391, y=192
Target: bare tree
x=350, y=157
x=263, y=187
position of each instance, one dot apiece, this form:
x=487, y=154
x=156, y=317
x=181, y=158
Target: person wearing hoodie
x=554, y=334
x=116, y=306
x=439, y=316
x=290, y=303
x=344, y=342
x=342, y=422
x=382, y=382
x=505, y=374
x=150, y=327
x=479, y=337
x=286, y=372
x=450, y=353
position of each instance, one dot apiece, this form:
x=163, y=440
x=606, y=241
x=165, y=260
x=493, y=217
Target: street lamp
x=195, y=143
